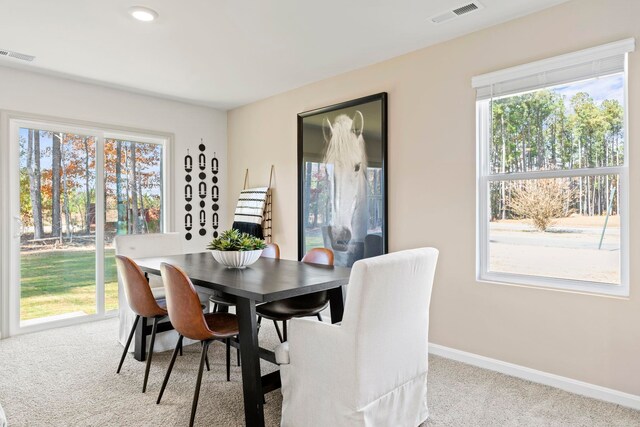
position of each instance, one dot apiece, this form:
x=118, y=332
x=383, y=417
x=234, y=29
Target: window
x=553, y=172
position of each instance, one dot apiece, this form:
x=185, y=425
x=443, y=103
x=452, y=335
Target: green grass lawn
x=59, y=282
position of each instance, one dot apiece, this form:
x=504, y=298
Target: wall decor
x=202, y=188
x=342, y=179
x=188, y=191
x=253, y=211
x=215, y=195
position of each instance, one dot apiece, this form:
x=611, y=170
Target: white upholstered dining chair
x=371, y=370
x=3, y=418
x=141, y=246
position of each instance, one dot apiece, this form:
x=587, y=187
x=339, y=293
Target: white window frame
x=484, y=177
x=9, y=290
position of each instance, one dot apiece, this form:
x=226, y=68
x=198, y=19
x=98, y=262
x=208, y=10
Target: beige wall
x=432, y=173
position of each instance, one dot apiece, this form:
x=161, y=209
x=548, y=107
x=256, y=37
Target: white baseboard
x=557, y=381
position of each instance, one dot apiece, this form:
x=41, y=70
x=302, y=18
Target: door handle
x=18, y=223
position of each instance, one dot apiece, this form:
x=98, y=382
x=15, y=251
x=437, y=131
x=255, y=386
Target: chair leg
x=126, y=347
x=228, y=359
x=206, y=357
x=238, y=356
x=284, y=329
x=150, y=354
x=168, y=374
x=180, y=347
x=196, y=395
x=278, y=331
x=319, y=316
x=259, y=323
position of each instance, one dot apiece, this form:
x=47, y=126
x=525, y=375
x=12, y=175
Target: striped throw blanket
x=252, y=211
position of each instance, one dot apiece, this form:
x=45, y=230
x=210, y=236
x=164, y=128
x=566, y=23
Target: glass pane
x=133, y=199
x=577, y=125
x=57, y=241
x=565, y=228
x=318, y=201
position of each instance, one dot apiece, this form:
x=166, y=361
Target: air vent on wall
x=17, y=55
x=454, y=13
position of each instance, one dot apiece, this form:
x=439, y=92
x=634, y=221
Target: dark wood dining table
x=266, y=280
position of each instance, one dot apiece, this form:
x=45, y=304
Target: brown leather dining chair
x=302, y=306
x=143, y=304
x=187, y=318
x=271, y=251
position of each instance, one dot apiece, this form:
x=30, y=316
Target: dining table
x=264, y=281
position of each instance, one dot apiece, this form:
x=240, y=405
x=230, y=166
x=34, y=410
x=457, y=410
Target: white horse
x=347, y=159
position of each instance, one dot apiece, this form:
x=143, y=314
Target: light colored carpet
x=66, y=377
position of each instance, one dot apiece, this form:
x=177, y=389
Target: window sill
x=554, y=284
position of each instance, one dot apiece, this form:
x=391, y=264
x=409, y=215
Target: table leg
x=140, y=344
x=251, y=378
x=336, y=301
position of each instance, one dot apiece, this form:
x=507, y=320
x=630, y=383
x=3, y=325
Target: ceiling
x=226, y=53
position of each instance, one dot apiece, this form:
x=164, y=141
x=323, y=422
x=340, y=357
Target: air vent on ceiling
x=17, y=55
x=465, y=9
x=454, y=13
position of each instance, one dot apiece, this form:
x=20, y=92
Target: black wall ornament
x=188, y=163
x=215, y=194
x=202, y=192
x=203, y=222
x=202, y=187
x=188, y=195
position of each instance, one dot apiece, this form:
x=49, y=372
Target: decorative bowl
x=236, y=259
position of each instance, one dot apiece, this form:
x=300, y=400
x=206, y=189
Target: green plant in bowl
x=234, y=240
x=234, y=249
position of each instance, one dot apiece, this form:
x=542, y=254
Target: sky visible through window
x=600, y=89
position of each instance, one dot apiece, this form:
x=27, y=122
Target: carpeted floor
x=66, y=377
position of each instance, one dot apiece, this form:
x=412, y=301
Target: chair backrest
x=387, y=314
x=148, y=245
x=372, y=245
x=271, y=251
x=183, y=304
x=322, y=256
x=136, y=288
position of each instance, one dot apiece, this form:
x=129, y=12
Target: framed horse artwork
x=342, y=179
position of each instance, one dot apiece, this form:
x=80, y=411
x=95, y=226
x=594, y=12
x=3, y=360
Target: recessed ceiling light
x=142, y=13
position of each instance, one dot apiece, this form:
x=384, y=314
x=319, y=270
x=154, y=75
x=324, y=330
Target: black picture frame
x=342, y=238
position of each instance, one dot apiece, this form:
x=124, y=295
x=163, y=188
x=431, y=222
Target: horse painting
x=346, y=161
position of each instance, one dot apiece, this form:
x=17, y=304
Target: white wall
x=432, y=193
x=32, y=93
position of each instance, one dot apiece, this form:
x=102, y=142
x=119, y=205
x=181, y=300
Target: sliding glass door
x=133, y=198
x=57, y=215
x=73, y=191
